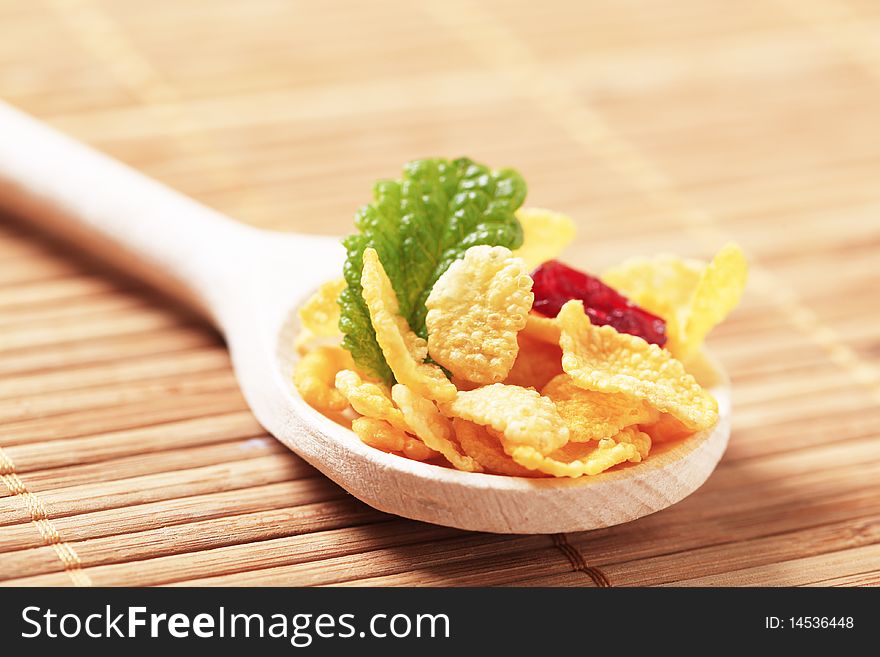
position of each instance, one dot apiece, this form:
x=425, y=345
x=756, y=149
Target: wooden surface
x=128, y=455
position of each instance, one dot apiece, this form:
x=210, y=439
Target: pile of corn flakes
x=499, y=388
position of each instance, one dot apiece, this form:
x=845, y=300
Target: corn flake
x=485, y=449
x=315, y=375
x=691, y=296
x=574, y=459
x=431, y=427
x=601, y=359
x=415, y=449
x=717, y=293
x=404, y=351
x=545, y=329
x=369, y=399
x=475, y=310
x=319, y=316
x=545, y=235
x=379, y=434
x=522, y=415
x=639, y=439
x=662, y=285
x=536, y=363
x=592, y=415
x=382, y=435
x=666, y=429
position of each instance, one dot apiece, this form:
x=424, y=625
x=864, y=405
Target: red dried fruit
x=556, y=283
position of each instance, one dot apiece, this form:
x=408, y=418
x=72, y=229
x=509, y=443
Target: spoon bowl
x=249, y=282
x=261, y=325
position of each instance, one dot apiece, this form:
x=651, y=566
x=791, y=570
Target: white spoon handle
x=138, y=224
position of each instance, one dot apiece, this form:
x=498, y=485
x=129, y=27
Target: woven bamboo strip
x=94, y=449
x=102, y=397
x=154, y=463
x=264, y=554
x=242, y=473
x=131, y=369
x=742, y=511
x=184, y=510
x=116, y=418
x=725, y=558
x=861, y=561
x=177, y=339
x=175, y=539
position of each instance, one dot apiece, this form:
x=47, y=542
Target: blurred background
x=659, y=126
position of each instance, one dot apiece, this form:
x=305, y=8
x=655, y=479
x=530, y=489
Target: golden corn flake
x=485, y=449
x=431, y=427
x=545, y=329
x=382, y=435
x=379, y=434
x=666, y=429
x=369, y=399
x=404, y=351
x=522, y=415
x=592, y=415
x=717, y=293
x=319, y=316
x=475, y=310
x=691, y=296
x=545, y=235
x=662, y=285
x=315, y=377
x=574, y=459
x=415, y=449
x=536, y=363
x=601, y=359
x=639, y=439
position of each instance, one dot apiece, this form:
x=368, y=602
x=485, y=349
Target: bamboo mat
x=128, y=455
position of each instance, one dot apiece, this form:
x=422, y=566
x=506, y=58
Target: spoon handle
x=138, y=224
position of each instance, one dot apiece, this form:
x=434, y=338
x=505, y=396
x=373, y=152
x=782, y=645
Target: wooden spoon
x=249, y=282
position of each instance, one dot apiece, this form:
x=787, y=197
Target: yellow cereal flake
x=369, y=399
x=601, y=359
x=404, y=351
x=475, y=310
x=639, y=439
x=545, y=329
x=315, y=375
x=662, y=285
x=522, y=415
x=574, y=459
x=536, y=363
x=666, y=429
x=431, y=427
x=485, y=449
x=319, y=316
x=379, y=434
x=592, y=415
x=717, y=293
x=691, y=296
x=415, y=449
x=545, y=235
x=382, y=435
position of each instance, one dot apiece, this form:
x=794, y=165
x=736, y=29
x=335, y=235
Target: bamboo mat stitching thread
x=500, y=47
x=40, y=518
x=576, y=559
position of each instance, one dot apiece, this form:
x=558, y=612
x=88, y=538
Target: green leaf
x=419, y=225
